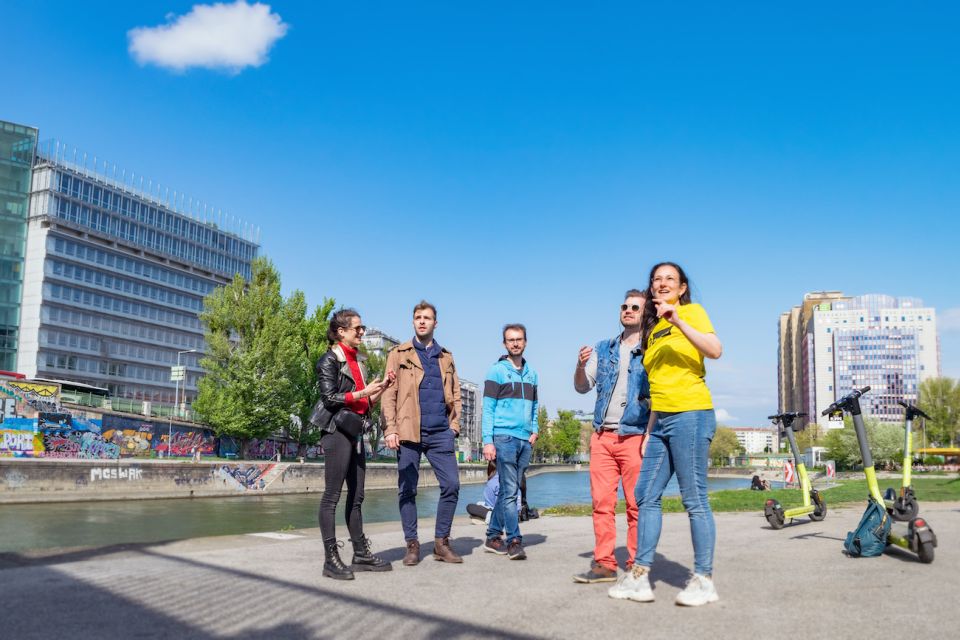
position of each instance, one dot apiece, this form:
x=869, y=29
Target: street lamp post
x=176, y=374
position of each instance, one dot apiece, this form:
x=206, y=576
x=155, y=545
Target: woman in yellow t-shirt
x=677, y=337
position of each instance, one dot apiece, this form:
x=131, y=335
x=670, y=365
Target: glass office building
x=834, y=343
x=17, y=144
x=115, y=275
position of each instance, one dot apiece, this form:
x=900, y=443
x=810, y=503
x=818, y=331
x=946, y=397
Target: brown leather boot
x=443, y=552
x=413, y=553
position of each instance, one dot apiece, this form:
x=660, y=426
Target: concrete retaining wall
x=25, y=480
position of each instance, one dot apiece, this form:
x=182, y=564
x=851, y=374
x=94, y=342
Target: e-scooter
x=919, y=537
x=813, y=504
x=904, y=507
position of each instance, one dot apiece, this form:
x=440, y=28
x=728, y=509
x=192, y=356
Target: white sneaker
x=633, y=585
x=699, y=591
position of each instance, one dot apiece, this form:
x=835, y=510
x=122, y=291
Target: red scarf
x=361, y=405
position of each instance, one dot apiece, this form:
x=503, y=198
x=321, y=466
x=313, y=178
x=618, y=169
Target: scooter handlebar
x=913, y=409
x=839, y=404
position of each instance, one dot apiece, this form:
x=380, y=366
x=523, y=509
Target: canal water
x=83, y=524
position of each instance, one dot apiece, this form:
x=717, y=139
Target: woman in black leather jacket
x=342, y=414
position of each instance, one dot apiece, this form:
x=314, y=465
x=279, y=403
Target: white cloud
x=213, y=36
x=949, y=320
x=724, y=416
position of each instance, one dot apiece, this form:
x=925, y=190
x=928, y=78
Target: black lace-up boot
x=365, y=560
x=333, y=566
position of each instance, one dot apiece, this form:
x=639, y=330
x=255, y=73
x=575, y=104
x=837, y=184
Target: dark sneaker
x=495, y=545
x=515, y=550
x=597, y=573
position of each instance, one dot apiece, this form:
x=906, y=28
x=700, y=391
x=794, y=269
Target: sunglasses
x=359, y=328
x=632, y=307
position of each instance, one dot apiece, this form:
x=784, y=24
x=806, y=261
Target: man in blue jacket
x=509, y=431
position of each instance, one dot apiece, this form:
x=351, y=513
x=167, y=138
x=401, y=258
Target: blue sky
x=530, y=163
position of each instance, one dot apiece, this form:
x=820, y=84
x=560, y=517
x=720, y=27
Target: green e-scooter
x=919, y=537
x=813, y=504
x=902, y=505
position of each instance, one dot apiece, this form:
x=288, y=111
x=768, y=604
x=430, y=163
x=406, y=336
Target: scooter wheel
x=905, y=509
x=925, y=552
x=776, y=519
x=820, y=512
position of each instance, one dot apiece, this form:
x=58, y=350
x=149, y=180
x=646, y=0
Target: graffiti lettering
x=78, y=444
x=42, y=397
x=263, y=449
x=17, y=442
x=185, y=443
x=246, y=476
x=132, y=443
x=116, y=473
x=15, y=479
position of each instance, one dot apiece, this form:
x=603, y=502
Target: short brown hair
x=423, y=304
x=516, y=326
x=634, y=293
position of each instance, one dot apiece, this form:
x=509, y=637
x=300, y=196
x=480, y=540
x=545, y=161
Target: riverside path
x=271, y=587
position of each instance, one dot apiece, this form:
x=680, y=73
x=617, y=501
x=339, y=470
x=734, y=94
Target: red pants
x=613, y=459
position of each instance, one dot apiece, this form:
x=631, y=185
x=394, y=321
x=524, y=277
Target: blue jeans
x=439, y=448
x=679, y=443
x=513, y=458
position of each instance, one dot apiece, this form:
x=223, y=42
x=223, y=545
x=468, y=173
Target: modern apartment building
x=115, y=275
x=378, y=343
x=17, y=146
x=758, y=439
x=832, y=343
x=471, y=439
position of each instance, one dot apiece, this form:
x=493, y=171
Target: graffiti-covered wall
x=34, y=424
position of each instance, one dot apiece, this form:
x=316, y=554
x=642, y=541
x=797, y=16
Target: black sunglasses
x=632, y=307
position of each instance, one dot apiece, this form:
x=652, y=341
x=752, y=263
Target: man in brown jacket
x=422, y=414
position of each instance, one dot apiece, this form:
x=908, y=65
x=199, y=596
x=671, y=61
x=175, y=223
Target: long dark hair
x=650, y=318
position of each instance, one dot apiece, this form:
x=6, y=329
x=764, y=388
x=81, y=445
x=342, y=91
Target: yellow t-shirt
x=675, y=367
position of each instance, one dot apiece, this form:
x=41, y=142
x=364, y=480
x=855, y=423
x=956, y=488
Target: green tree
x=566, y=433
x=724, y=446
x=886, y=444
x=545, y=447
x=260, y=358
x=376, y=366
x=313, y=344
x=940, y=399
x=811, y=436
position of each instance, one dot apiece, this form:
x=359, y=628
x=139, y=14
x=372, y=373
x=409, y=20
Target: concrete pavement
x=771, y=583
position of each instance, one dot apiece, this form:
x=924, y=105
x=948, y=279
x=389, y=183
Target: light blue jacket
x=509, y=401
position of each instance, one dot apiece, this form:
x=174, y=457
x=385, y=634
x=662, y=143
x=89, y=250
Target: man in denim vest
x=615, y=368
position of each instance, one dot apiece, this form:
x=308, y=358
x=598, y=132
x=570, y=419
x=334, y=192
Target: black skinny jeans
x=342, y=463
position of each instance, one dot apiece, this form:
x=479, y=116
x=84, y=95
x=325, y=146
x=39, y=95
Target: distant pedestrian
x=342, y=416
x=422, y=414
x=509, y=430
x=620, y=416
x=678, y=335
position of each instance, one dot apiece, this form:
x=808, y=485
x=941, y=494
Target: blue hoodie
x=509, y=401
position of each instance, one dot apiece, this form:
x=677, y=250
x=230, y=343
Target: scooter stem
x=865, y=454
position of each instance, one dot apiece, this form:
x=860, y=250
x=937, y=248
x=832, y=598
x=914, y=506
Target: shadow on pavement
x=816, y=534
x=174, y=597
x=44, y=557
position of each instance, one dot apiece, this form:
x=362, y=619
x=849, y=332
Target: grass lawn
x=932, y=489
